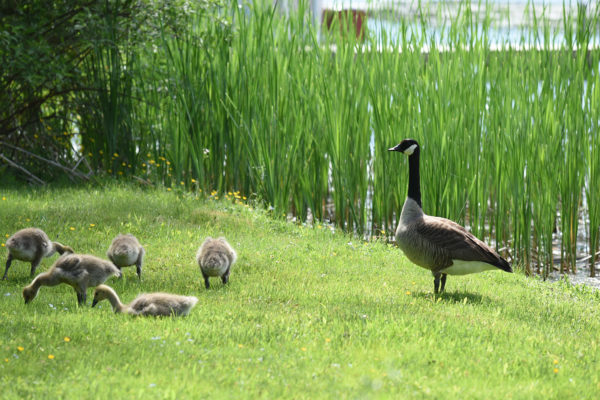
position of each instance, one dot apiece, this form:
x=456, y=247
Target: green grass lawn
x=307, y=314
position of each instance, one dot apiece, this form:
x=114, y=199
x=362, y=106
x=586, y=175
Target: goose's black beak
x=94, y=302
x=395, y=148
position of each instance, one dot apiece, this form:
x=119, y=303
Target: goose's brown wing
x=455, y=242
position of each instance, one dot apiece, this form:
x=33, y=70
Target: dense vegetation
x=217, y=97
x=308, y=313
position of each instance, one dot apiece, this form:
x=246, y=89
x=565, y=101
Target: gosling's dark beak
x=94, y=302
x=395, y=148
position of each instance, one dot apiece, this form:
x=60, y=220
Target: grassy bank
x=308, y=314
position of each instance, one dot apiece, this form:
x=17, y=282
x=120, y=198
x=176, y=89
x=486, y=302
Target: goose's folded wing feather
x=457, y=243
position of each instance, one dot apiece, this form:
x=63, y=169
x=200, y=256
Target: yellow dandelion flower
x=120, y=172
x=556, y=370
x=408, y=293
x=216, y=197
x=158, y=165
x=27, y=219
x=35, y=135
x=90, y=154
x=20, y=348
x=6, y=360
x=100, y=152
x=143, y=164
x=3, y=245
x=110, y=171
x=229, y=193
x=168, y=189
x=72, y=228
x=327, y=340
x=7, y=235
x=303, y=348
x=151, y=161
x=555, y=362
x=240, y=345
x=193, y=180
x=243, y=197
x=67, y=339
x=92, y=225
x=123, y=164
x=115, y=155
x=51, y=356
x=3, y=198
x=148, y=155
x=168, y=162
x=181, y=183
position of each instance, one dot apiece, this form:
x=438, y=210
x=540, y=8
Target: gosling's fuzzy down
x=77, y=270
x=126, y=250
x=31, y=244
x=215, y=258
x=153, y=304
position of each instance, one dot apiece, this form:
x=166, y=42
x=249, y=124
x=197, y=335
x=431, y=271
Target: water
x=511, y=20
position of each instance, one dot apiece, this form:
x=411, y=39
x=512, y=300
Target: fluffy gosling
x=215, y=258
x=126, y=250
x=152, y=304
x=31, y=244
x=77, y=270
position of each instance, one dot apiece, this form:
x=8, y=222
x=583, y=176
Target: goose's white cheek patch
x=410, y=150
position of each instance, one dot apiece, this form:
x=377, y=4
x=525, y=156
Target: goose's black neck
x=414, y=180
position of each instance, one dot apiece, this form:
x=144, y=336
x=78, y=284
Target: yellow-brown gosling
x=77, y=270
x=215, y=258
x=31, y=244
x=153, y=304
x=126, y=250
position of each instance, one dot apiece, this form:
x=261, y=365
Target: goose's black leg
x=443, y=282
x=225, y=277
x=8, y=261
x=79, y=298
x=206, y=284
x=436, y=283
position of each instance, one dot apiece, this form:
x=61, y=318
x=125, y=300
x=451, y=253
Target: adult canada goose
x=126, y=250
x=438, y=244
x=77, y=270
x=215, y=258
x=155, y=304
x=31, y=244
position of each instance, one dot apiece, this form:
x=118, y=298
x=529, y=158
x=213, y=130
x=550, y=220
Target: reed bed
x=246, y=101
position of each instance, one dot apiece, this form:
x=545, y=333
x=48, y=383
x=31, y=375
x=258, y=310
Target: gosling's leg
x=8, y=262
x=225, y=277
x=206, y=284
x=444, y=276
x=120, y=273
x=138, y=265
x=34, y=264
x=138, y=268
